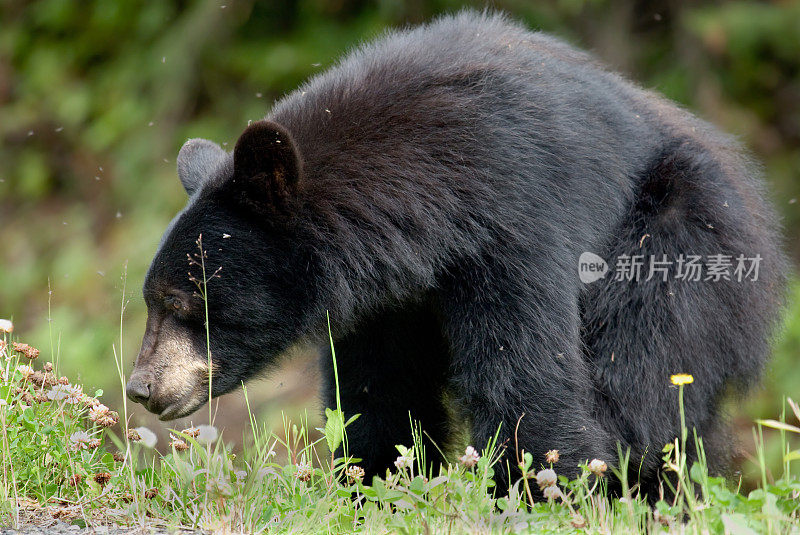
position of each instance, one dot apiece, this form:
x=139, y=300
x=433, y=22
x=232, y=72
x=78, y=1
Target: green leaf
x=334, y=428
x=527, y=462
x=736, y=524
x=417, y=485
x=697, y=473
x=352, y=419
x=792, y=456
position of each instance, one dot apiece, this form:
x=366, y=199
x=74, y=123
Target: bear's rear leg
x=515, y=358
x=390, y=366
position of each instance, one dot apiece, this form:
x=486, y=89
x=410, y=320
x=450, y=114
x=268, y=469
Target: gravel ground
x=59, y=527
x=34, y=519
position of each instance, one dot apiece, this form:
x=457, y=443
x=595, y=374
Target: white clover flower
x=6, y=326
x=71, y=393
x=546, y=478
x=206, y=434
x=551, y=493
x=74, y=394
x=25, y=370
x=147, y=437
x=598, y=467
x=80, y=440
x=470, y=457
x=403, y=461
x=355, y=473
x=57, y=393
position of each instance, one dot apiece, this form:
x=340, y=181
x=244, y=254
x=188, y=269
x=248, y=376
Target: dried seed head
x=63, y=380
x=178, y=444
x=578, y=522
x=470, y=457
x=93, y=444
x=546, y=478
x=109, y=420
x=598, y=467
x=151, y=493
x=193, y=432
x=304, y=471
x=38, y=378
x=102, y=478
x=119, y=456
x=355, y=473
x=97, y=411
x=48, y=366
x=41, y=397
x=133, y=435
x=29, y=351
x=75, y=479
x=551, y=456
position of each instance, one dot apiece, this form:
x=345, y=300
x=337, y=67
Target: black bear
x=491, y=218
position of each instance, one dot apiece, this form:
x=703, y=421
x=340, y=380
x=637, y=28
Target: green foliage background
x=97, y=96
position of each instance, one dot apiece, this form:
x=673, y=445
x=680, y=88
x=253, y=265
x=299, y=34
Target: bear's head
x=231, y=257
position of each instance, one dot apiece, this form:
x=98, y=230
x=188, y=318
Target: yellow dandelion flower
x=681, y=379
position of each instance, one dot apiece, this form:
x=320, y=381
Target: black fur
x=438, y=187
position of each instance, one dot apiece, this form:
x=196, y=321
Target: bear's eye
x=173, y=303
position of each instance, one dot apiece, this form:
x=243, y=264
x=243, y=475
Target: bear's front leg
x=514, y=343
x=392, y=368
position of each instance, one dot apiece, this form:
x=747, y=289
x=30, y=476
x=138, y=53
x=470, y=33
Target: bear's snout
x=138, y=389
x=170, y=375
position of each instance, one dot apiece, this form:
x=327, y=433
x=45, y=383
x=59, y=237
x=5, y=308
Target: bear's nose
x=138, y=390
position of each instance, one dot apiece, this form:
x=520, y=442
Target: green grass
x=59, y=459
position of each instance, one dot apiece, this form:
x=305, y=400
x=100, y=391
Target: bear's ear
x=196, y=161
x=267, y=163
